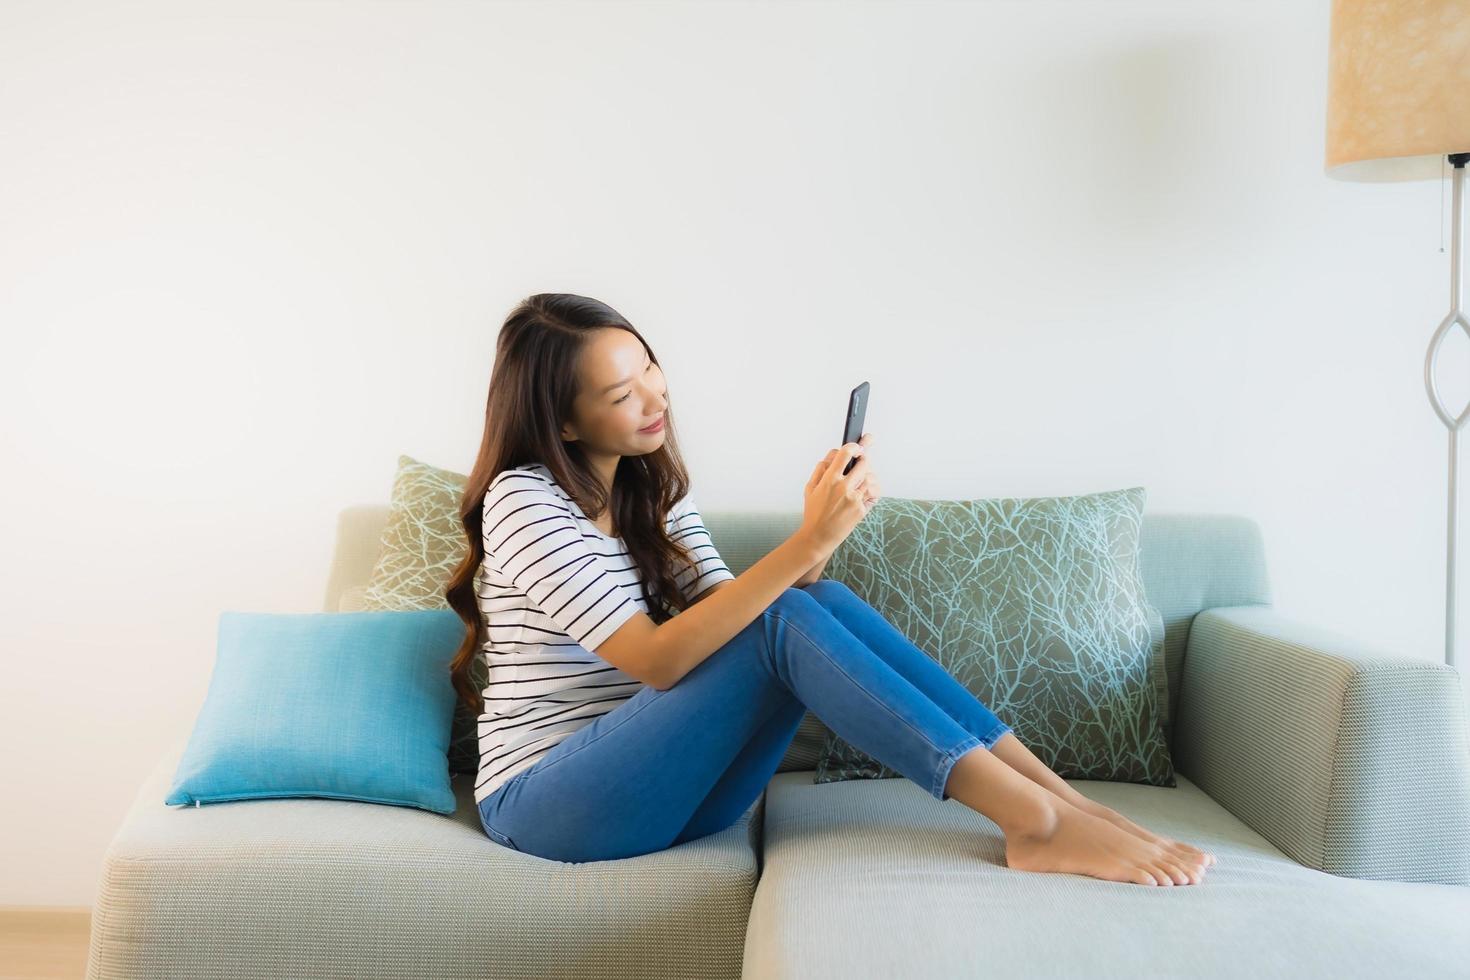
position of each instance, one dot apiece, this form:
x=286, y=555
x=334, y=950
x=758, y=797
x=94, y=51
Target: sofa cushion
x=877, y=878
x=1037, y=607
x=317, y=887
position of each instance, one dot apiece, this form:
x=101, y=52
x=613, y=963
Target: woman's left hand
x=871, y=492
x=874, y=495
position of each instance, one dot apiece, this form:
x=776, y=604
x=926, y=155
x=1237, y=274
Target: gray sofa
x=1331, y=781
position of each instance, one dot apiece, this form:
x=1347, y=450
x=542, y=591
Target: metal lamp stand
x=1453, y=422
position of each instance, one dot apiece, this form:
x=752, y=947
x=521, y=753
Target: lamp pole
x=1452, y=422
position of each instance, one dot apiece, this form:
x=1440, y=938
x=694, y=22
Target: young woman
x=640, y=695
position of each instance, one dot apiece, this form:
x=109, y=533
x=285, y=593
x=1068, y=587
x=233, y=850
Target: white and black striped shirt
x=552, y=588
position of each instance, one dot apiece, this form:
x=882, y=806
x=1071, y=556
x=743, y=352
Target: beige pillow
x=423, y=540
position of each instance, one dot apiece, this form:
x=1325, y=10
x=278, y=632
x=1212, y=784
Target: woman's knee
x=789, y=595
x=828, y=590
x=823, y=594
x=794, y=597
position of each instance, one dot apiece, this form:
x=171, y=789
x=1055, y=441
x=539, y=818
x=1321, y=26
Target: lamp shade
x=1398, y=88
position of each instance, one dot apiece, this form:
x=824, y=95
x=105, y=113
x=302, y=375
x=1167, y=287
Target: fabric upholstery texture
x=874, y=878
x=1038, y=608
x=1350, y=759
x=337, y=888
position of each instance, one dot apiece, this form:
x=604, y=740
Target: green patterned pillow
x=422, y=544
x=1037, y=607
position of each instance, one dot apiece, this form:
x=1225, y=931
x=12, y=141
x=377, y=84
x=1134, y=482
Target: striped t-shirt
x=552, y=588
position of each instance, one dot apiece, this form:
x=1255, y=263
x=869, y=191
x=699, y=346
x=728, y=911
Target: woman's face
x=621, y=391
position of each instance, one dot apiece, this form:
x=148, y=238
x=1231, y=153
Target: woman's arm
x=812, y=574
x=671, y=649
x=807, y=578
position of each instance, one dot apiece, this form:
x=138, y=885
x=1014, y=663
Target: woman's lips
x=655, y=427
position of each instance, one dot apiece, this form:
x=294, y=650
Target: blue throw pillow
x=350, y=706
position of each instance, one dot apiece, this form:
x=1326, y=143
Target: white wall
x=251, y=253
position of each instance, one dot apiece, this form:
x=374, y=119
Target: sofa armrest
x=1351, y=760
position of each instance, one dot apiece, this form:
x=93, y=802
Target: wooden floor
x=43, y=944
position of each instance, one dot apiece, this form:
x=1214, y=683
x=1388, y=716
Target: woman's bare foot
x=1186, y=851
x=1014, y=753
x=1078, y=842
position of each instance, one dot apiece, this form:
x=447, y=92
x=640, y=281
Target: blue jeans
x=669, y=766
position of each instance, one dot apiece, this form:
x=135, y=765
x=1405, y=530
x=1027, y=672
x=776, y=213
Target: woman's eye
x=619, y=401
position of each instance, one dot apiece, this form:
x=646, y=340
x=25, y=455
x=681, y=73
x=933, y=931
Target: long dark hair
x=532, y=388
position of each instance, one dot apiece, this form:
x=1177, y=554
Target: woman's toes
x=1192, y=865
x=1192, y=871
x=1191, y=854
x=1187, y=855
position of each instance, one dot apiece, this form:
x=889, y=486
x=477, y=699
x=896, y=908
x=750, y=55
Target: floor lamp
x=1398, y=108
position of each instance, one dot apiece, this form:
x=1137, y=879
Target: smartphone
x=857, y=413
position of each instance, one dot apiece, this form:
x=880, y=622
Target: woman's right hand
x=836, y=503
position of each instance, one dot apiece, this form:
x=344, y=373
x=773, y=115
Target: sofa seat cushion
x=321, y=887
x=877, y=878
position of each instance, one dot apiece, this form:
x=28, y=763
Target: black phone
x=857, y=413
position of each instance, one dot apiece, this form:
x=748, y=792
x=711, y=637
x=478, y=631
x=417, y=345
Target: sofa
x=1330, y=779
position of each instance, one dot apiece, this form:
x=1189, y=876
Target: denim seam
x=942, y=776
x=995, y=734
x=490, y=831
x=886, y=706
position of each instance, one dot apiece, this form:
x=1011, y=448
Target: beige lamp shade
x=1398, y=88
